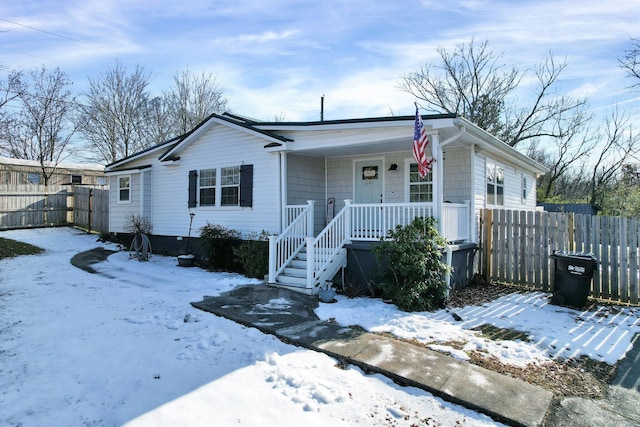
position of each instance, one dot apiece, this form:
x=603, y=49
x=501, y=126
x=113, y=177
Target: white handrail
x=283, y=248
x=327, y=245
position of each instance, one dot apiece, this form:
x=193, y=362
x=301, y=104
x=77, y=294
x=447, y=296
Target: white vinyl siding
x=218, y=147
x=457, y=175
x=306, y=181
x=120, y=212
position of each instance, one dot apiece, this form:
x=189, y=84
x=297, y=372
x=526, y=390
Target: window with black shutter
x=193, y=188
x=246, y=186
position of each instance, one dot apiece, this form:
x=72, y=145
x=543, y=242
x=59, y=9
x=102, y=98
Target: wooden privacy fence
x=517, y=248
x=91, y=209
x=26, y=206
x=30, y=206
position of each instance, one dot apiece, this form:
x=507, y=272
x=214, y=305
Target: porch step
x=295, y=271
x=299, y=264
x=295, y=281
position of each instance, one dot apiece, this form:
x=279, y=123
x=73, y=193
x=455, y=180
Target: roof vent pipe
x=322, y=108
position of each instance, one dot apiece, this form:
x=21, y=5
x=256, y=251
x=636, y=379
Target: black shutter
x=193, y=189
x=246, y=186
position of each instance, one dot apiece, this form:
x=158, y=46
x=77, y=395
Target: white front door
x=369, y=186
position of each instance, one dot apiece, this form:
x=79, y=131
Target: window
x=33, y=177
x=207, y=187
x=76, y=179
x=524, y=189
x=495, y=184
x=124, y=188
x=101, y=180
x=420, y=189
x=230, y=186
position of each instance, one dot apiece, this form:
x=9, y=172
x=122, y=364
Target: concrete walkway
x=290, y=316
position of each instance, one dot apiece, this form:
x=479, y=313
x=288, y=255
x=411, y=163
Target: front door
x=369, y=185
x=369, y=189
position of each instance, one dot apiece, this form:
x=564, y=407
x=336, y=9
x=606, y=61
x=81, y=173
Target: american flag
x=420, y=142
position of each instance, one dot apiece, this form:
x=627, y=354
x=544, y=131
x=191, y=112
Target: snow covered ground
x=126, y=348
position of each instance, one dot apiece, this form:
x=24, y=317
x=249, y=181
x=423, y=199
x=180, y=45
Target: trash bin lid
x=570, y=254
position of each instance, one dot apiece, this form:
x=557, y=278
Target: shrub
x=412, y=272
x=217, y=243
x=137, y=224
x=253, y=255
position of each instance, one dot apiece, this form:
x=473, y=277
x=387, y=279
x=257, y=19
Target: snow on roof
x=63, y=165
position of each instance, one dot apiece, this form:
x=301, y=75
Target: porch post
x=347, y=219
x=310, y=218
x=436, y=151
x=272, y=259
x=311, y=261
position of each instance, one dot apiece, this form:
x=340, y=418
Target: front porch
x=303, y=261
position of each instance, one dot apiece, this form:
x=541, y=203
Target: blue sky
x=278, y=57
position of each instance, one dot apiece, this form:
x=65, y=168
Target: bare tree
x=42, y=128
x=619, y=144
x=630, y=62
x=469, y=81
x=192, y=99
x=114, y=119
x=159, y=127
x=472, y=82
x=564, y=158
x=10, y=89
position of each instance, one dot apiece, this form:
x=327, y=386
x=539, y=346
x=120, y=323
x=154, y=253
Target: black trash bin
x=572, y=278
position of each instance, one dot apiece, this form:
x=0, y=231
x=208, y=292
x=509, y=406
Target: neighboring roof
x=579, y=208
x=64, y=165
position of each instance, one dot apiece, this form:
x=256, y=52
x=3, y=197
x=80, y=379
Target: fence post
x=488, y=237
x=90, y=205
x=572, y=231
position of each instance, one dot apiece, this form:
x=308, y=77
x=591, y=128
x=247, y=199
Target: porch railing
x=455, y=221
x=292, y=212
x=283, y=248
x=373, y=221
x=368, y=222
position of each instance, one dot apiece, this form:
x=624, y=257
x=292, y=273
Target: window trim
x=496, y=167
x=120, y=200
x=244, y=187
x=236, y=186
x=214, y=187
x=408, y=184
